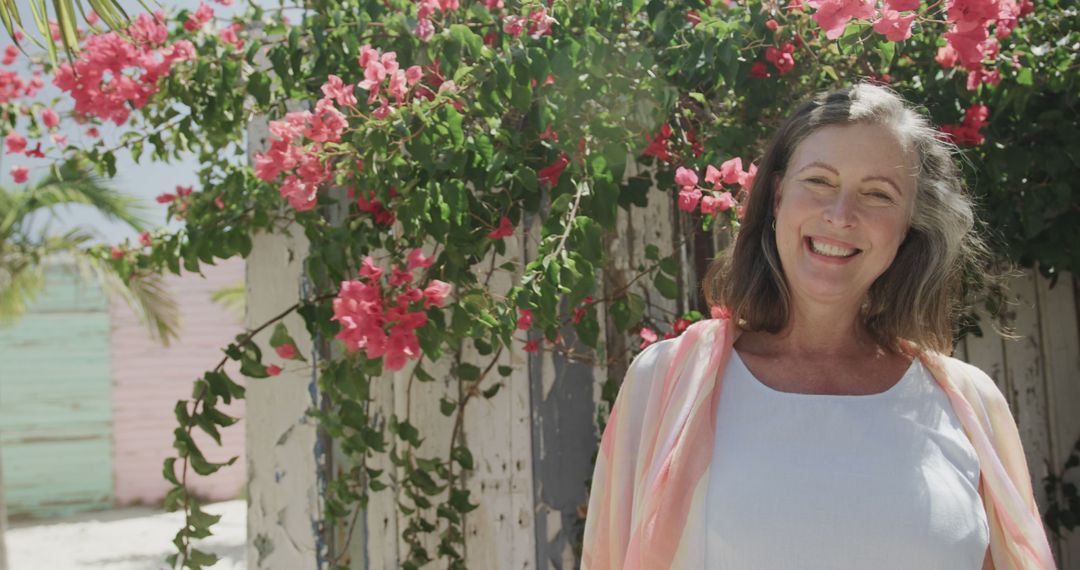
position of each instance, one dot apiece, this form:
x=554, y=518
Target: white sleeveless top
x=810, y=481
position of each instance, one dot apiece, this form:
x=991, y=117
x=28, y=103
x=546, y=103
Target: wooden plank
x=1061, y=352
x=55, y=417
x=1024, y=366
x=283, y=476
x=498, y=431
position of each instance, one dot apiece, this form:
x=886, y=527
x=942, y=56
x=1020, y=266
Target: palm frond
x=147, y=295
x=112, y=13
x=232, y=297
x=76, y=183
x=22, y=275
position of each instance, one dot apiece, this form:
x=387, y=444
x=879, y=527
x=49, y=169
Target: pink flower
x=946, y=56
x=833, y=15
x=165, y=198
x=532, y=346
x=49, y=118
x=435, y=293
x=286, y=351
x=648, y=336
x=759, y=71
x=370, y=270
x=59, y=139
x=20, y=174
x=399, y=277
x=219, y=203
x=273, y=370
x=336, y=89
x=145, y=240
x=525, y=319
x=301, y=196
x=513, y=25
x=199, y=17
x=688, y=198
x=10, y=53
x=725, y=201
x=902, y=5
x=417, y=259
x=116, y=253
x=731, y=170
x=693, y=17
x=93, y=133
x=15, y=143
x=658, y=147
x=746, y=179
x=893, y=26
x=414, y=74
x=540, y=22
x=772, y=24
x=685, y=177
x=230, y=36
x=505, y=229
x=551, y=173
x=782, y=59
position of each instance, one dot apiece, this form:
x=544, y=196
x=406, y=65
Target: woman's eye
x=880, y=196
x=818, y=181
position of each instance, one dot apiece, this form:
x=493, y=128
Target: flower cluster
x=383, y=67
x=297, y=146
x=537, y=23
x=116, y=70
x=729, y=173
x=658, y=145
x=381, y=329
x=425, y=29
x=782, y=58
x=967, y=132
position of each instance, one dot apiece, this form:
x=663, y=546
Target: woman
x=844, y=437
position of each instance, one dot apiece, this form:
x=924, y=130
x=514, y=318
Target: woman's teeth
x=831, y=250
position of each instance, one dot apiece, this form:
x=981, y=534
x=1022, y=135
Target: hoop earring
x=774, y=224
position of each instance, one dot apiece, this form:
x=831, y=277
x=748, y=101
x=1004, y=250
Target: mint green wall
x=55, y=411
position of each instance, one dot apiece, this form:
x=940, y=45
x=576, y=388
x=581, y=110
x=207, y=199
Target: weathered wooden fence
x=533, y=441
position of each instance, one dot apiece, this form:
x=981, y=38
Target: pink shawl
x=646, y=507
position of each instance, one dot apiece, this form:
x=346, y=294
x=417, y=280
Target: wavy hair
x=917, y=298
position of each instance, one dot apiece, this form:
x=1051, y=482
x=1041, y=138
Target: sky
x=144, y=180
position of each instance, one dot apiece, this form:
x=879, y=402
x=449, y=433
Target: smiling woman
x=817, y=420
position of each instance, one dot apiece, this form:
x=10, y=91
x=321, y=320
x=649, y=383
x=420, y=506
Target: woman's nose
x=841, y=212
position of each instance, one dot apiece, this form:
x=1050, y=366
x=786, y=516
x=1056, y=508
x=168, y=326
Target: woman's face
x=843, y=207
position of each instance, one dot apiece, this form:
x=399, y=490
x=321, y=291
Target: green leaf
x=490, y=392
x=468, y=371
x=627, y=311
x=446, y=407
x=463, y=457
x=665, y=286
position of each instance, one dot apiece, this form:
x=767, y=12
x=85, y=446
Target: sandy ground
x=136, y=538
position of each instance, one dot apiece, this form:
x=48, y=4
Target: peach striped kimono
x=646, y=507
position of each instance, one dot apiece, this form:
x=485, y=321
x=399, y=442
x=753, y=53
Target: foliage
x=409, y=140
x=27, y=242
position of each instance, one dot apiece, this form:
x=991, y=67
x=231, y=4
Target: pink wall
x=148, y=379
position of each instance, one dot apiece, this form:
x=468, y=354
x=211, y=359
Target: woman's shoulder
x=974, y=384
x=647, y=370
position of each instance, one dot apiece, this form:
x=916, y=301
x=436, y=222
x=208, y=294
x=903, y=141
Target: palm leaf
x=112, y=13
x=232, y=297
x=146, y=294
x=70, y=184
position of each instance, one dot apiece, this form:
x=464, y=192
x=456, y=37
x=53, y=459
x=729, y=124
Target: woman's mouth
x=830, y=250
